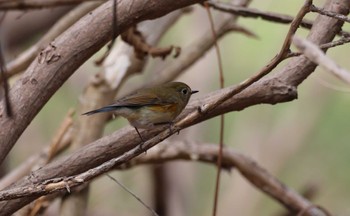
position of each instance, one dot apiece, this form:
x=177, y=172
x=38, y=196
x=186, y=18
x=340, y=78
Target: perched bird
x=152, y=106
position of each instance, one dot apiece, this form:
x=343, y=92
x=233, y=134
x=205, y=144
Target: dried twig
x=269, y=16
x=102, y=89
x=184, y=151
x=132, y=194
x=279, y=87
x=222, y=118
x=268, y=68
x=134, y=37
x=55, y=144
x=256, y=13
x=326, y=46
x=54, y=148
x=5, y=84
x=20, y=63
x=38, y=4
x=338, y=16
x=37, y=86
x=316, y=55
x=38, y=160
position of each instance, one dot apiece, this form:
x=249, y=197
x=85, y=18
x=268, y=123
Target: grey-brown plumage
x=151, y=106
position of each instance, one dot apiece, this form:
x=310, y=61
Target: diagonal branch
x=208, y=153
x=272, y=16
x=38, y=4
x=21, y=62
x=315, y=54
x=276, y=88
x=62, y=57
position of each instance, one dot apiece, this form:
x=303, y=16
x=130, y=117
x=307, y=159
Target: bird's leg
x=142, y=140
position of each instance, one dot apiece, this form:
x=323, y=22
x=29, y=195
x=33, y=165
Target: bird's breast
x=148, y=116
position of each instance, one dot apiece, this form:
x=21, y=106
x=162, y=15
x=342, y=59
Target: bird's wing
x=144, y=99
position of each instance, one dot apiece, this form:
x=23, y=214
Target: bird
x=148, y=107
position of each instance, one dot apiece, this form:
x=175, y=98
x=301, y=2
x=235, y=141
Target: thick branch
x=125, y=139
x=62, y=57
x=38, y=4
x=279, y=87
x=250, y=169
x=21, y=62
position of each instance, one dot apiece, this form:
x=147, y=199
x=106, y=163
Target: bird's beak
x=194, y=91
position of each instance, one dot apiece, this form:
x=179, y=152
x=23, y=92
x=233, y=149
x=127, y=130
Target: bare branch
x=316, y=55
x=134, y=37
x=325, y=46
x=255, y=13
x=120, y=64
x=268, y=68
x=5, y=85
x=276, y=88
x=133, y=194
x=38, y=4
x=222, y=117
x=38, y=160
x=20, y=63
x=185, y=151
x=269, y=16
x=341, y=17
x=62, y=57
x=190, y=54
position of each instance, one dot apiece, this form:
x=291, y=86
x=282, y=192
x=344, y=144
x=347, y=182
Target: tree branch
x=62, y=57
x=316, y=55
x=330, y=14
x=276, y=88
x=208, y=153
x=270, y=16
x=38, y=4
x=20, y=63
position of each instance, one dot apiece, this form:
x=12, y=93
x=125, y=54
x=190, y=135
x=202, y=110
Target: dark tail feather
x=103, y=109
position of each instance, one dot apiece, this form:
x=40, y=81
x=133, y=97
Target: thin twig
x=23, y=60
x=316, y=55
x=269, y=16
x=341, y=17
x=5, y=84
x=285, y=49
x=114, y=34
x=62, y=131
x=222, y=117
x=205, y=108
x=331, y=44
x=256, y=13
x=132, y=194
x=249, y=168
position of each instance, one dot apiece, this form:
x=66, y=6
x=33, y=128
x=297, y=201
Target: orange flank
x=172, y=108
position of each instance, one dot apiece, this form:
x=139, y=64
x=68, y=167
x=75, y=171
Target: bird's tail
x=103, y=109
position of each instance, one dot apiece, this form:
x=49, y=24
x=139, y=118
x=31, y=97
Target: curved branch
x=62, y=57
x=208, y=153
x=20, y=63
x=38, y=4
x=279, y=87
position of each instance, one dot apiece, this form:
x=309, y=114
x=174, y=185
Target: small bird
x=152, y=106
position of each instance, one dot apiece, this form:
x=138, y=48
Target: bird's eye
x=184, y=91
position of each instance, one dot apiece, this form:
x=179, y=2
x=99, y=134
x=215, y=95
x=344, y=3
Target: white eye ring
x=184, y=91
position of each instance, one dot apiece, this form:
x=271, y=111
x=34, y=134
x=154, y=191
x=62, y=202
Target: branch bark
x=38, y=4
x=20, y=63
x=62, y=57
x=280, y=87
